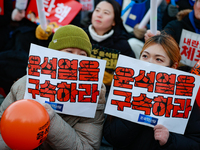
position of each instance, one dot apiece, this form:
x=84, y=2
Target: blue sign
x=55, y=106
x=147, y=119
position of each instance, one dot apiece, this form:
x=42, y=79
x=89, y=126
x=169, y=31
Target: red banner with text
x=58, y=12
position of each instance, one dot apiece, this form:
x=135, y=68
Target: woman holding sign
x=66, y=131
x=122, y=134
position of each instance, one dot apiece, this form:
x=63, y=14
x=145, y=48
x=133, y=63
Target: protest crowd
x=119, y=31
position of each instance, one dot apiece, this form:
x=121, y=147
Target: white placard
x=189, y=47
x=70, y=83
x=151, y=94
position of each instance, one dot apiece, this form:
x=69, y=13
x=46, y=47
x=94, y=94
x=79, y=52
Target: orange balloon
x=25, y=125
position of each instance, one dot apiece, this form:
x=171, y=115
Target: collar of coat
x=97, y=37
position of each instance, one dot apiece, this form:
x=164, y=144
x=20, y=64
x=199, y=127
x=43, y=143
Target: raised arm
x=19, y=12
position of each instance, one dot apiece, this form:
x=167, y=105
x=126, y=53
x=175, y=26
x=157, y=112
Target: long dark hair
x=117, y=12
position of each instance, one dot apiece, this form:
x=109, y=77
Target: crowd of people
x=103, y=25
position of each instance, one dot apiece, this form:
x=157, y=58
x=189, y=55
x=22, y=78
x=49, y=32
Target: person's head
x=71, y=39
x=161, y=50
x=106, y=15
x=196, y=8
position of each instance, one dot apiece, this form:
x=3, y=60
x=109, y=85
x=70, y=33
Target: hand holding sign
x=157, y=96
x=161, y=134
x=73, y=84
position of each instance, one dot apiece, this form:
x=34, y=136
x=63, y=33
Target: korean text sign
x=58, y=12
x=189, y=47
x=70, y=83
x=150, y=94
x=108, y=54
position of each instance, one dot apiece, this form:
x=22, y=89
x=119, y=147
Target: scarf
x=193, y=20
x=97, y=37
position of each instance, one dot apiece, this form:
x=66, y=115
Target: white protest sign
x=151, y=94
x=70, y=83
x=189, y=47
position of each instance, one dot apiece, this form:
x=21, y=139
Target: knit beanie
x=71, y=36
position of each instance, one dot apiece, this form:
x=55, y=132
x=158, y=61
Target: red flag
x=58, y=12
x=1, y=7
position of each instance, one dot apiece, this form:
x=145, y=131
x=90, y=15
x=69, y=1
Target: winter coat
x=117, y=41
x=5, y=23
x=182, y=4
x=66, y=132
x=126, y=135
x=174, y=28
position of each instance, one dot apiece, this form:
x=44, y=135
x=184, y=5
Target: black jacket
x=183, y=4
x=117, y=41
x=5, y=23
x=126, y=135
x=174, y=28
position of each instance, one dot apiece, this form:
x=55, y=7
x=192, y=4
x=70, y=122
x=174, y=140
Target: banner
x=189, y=47
x=151, y=94
x=58, y=12
x=1, y=7
x=70, y=83
x=108, y=54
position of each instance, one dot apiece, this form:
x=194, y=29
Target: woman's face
x=156, y=54
x=103, y=17
x=197, y=9
x=76, y=51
